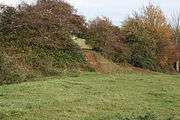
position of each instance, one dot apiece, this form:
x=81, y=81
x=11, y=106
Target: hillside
x=93, y=96
x=102, y=64
x=95, y=59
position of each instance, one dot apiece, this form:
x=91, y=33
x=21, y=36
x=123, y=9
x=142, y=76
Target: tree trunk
x=177, y=65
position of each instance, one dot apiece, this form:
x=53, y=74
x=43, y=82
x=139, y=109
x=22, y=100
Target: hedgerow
x=38, y=39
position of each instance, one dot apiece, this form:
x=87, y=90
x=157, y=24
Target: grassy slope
x=92, y=96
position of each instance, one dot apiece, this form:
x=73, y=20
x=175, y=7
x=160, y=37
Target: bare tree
x=176, y=30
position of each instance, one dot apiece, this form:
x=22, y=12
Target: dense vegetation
x=107, y=39
x=38, y=40
x=144, y=40
x=150, y=39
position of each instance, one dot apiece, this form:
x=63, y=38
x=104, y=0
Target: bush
x=52, y=62
x=107, y=39
x=19, y=67
x=39, y=40
x=150, y=39
x=10, y=72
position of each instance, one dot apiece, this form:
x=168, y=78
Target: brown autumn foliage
x=150, y=39
x=106, y=38
x=39, y=38
x=49, y=23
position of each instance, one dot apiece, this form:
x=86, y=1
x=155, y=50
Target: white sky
x=117, y=10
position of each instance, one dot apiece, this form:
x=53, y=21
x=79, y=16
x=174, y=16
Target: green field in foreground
x=93, y=96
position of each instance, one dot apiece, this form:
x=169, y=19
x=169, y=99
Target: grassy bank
x=93, y=96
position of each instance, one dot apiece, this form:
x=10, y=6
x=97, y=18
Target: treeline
x=144, y=40
x=37, y=40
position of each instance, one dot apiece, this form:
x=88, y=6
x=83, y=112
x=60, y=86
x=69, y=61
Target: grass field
x=93, y=96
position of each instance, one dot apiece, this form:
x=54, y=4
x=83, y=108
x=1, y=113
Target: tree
x=106, y=38
x=49, y=24
x=39, y=37
x=150, y=39
x=176, y=31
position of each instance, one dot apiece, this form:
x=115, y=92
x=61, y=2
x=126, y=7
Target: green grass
x=93, y=96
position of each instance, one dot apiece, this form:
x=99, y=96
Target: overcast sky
x=117, y=10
